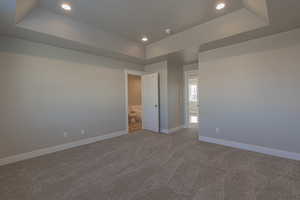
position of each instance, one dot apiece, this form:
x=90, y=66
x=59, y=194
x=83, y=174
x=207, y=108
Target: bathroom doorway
x=141, y=101
x=134, y=103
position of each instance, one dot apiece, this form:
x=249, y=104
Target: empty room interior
x=149, y=100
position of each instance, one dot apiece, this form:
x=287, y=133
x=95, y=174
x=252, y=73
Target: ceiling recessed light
x=220, y=6
x=144, y=39
x=66, y=6
x=168, y=31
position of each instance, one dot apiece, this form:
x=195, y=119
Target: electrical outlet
x=82, y=132
x=66, y=134
x=217, y=130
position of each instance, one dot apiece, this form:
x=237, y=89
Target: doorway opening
x=134, y=103
x=141, y=101
x=191, y=99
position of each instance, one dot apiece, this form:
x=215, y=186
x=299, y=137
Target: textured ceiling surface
x=133, y=18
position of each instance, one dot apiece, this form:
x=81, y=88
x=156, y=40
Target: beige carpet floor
x=148, y=166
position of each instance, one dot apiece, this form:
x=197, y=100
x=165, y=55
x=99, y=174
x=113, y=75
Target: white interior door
x=150, y=102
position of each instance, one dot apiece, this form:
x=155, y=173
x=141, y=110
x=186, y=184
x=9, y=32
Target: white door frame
x=186, y=97
x=131, y=72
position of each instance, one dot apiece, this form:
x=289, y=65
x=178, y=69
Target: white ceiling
x=284, y=15
x=109, y=20
x=133, y=18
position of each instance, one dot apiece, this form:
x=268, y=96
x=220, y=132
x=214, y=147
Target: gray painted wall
x=47, y=90
x=191, y=67
x=175, y=94
x=171, y=92
x=250, y=91
x=162, y=69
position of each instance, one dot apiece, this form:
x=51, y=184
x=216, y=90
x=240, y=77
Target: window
x=193, y=97
x=194, y=119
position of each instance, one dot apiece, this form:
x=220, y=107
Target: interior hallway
x=152, y=166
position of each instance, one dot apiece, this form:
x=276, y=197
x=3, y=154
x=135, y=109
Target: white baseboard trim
x=44, y=151
x=250, y=147
x=172, y=130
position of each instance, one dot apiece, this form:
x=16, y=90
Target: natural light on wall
x=193, y=100
x=66, y=6
x=193, y=93
x=220, y=6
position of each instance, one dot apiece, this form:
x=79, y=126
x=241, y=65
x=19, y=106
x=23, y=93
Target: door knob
x=155, y=105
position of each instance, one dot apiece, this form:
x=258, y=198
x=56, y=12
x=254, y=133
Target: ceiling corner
x=258, y=7
x=23, y=8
